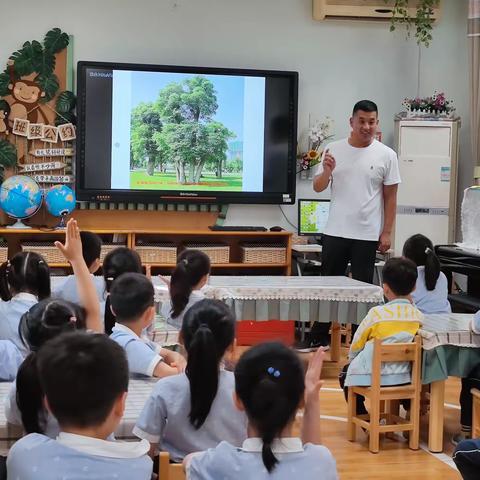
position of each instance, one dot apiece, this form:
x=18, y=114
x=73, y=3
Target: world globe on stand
x=20, y=198
x=60, y=201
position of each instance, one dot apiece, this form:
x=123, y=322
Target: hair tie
x=204, y=325
x=110, y=279
x=273, y=372
x=41, y=262
x=428, y=250
x=73, y=319
x=185, y=261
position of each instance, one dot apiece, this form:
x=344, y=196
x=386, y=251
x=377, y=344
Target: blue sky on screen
x=229, y=89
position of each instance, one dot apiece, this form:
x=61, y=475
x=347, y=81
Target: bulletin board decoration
x=37, y=119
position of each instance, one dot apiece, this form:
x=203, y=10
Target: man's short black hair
x=91, y=247
x=131, y=294
x=365, y=106
x=400, y=274
x=82, y=375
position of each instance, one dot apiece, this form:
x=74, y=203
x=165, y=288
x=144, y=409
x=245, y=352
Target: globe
x=20, y=197
x=60, y=200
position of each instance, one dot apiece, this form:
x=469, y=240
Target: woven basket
x=162, y=252
x=108, y=247
x=263, y=253
x=3, y=252
x=46, y=249
x=217, y=252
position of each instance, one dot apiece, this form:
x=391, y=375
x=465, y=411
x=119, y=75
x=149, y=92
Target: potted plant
x=421, y=24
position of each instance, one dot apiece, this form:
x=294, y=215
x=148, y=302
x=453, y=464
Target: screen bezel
x=300, y=200
x=186, y=196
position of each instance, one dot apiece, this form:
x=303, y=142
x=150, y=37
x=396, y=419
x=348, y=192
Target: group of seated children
x=72, y=381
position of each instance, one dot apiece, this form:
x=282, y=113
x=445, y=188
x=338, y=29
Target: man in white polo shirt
x=364, y=176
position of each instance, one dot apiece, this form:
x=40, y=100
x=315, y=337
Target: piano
x=455, y=259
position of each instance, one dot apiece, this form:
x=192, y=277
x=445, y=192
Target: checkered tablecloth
x=138, y=393
x=448, y=329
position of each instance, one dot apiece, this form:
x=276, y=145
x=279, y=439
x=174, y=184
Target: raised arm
x=321, y=181
x=311, y=415
x=72, y=251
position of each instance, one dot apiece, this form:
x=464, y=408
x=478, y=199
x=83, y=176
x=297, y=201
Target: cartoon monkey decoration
x=26, y=95
x=4, y=113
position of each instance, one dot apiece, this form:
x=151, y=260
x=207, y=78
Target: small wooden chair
x=476, y=413
x=169, y=471
x=378, y=396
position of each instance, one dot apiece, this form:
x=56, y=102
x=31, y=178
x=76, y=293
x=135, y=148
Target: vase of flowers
x=435, y=106
x=318, y=133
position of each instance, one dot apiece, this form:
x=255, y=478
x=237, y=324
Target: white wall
x=339, y=62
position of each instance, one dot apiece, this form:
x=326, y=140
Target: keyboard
x=239, y=228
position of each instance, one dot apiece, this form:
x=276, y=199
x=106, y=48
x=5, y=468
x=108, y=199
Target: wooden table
x=303, y=299
x=450, y=348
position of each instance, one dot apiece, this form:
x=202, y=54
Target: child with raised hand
x=132, y=304
x=85, y=380
x=91, y=249
x=189, y=276
x=24, y=280
x=431, y=290
x=118, y=261
x=72, y=251
x=270, y=387
x=195, y=410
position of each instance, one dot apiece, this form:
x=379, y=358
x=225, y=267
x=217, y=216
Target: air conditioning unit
x=361, y=9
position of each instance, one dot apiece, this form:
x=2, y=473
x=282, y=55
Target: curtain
x=474, y=52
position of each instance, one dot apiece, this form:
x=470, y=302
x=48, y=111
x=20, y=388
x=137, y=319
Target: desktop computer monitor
x=312, y=216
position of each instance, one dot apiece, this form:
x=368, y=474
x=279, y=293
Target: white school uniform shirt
x=77, y=457
x=166, y=309
x=143, y=355
x=68, y=290
x=10, y=314
x=10, y=360
x=431, y=301
x=295, y=461
x=13, y=415
x=356, y=207
x=476, y=322
x=164, y=418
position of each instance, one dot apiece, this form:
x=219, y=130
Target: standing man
x=364, y=178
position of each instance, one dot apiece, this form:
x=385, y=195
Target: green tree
x=189, y=134
x=146, y=123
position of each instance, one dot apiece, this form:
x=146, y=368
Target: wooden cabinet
x=179, y=228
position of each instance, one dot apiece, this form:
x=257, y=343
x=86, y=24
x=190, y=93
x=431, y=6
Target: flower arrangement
x=317, y=134
x=436, y=105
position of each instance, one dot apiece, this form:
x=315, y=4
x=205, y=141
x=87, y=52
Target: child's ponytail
x=269, y=381
x=25, y=272
x=419, y=249
x=432, y=269
x=192, y=266
x=118, y=261
x=30, y=396
x=208, y=329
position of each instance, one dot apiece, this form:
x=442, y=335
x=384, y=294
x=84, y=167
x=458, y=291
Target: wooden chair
x=169, y=471
x=476, y=413
x=388, y=396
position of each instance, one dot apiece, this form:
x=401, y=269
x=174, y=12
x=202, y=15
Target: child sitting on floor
x=195, y=410
x=85, y=380
x=395, y=322
x=270, y=387
x=132, y=304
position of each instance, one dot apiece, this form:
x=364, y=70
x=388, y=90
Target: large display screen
x=162, y=133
